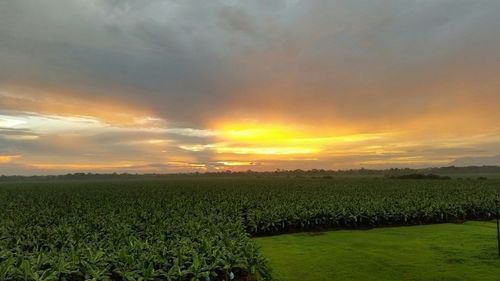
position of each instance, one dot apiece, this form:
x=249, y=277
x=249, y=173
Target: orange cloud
x=8, y=158
x=112, y=112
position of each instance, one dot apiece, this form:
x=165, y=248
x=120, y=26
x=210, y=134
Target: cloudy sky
x=169, y=86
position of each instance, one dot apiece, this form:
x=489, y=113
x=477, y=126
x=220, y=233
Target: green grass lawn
x=432, y=252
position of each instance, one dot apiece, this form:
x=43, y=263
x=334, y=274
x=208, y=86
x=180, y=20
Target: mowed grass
x=431, y=252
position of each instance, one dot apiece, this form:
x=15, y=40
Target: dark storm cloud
x=191, y=60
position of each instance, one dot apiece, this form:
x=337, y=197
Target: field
x=443, y=252
x=201, y=228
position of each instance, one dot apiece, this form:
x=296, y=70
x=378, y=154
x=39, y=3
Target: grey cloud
x=15, y=132
x=189, y=60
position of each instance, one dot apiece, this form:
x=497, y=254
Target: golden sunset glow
x=259, y=133
x=236, y=163
x=280, y=139
x=279, y=88
x=268, y=150
x=8, y=158
x=264, y=140
x=79, y=166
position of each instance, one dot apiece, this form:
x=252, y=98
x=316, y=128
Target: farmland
x=201, y=228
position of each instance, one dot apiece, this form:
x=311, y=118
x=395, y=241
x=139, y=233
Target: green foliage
x=418, y=253
x=302, y=205
x=418, y=176
x=123, y=231
x=199, y=228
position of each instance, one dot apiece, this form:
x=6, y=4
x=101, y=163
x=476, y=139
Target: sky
x=179, y=86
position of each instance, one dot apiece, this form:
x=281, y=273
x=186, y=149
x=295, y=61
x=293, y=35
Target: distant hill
x=393, y=172
x=477, y=161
